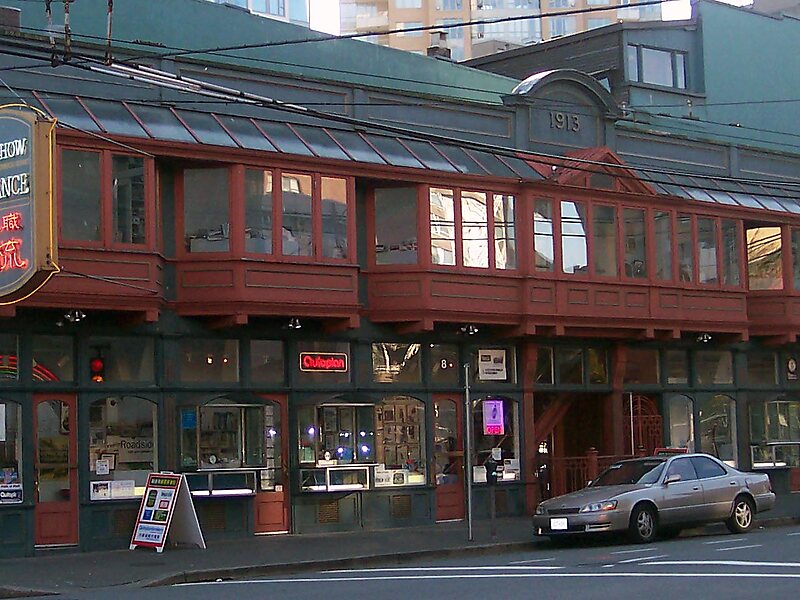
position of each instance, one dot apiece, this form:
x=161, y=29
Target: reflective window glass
x=258, y=195
x=396, y=363
x=296, y=233
x=604, y=242
x=573, y=237
x=544, y=365
x=663, y=235
x=267, y=364
x=115, y=118
x=399, y=441
x=713, y=366
x=474, y=229
x=206, y=220
x=53, y=358
x=680, y=412
x=311, y=376
x=396, y=226
x=11, y=448
x=717, y=424
x=9, y=370
x=544, y=253
x=80, y=195
x=676, y=363
x=685, y=254
x=656, y=67
x=598, y=365
x=505, y=238
x=320, y=142
x=635, y=243
x=128, y=197
x=444, y=364
x=641, y=366
x=124, y=359
x=334, y=217
x=707, y=250
x=730, y=253
x=209, y=360
x=206, y=128
x=508, y=441
x=764, y=258
x=246, y=133
x=443, y=234
x=762, y=368
x=796, y=257
x=162, y=124
x=570, y=365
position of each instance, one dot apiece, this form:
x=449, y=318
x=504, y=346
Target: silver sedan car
x=656, y=495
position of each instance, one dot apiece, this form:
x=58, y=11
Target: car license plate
x=558, y=524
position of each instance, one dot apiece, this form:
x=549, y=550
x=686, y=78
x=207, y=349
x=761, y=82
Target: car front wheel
x=643, y=524
x=743, y=516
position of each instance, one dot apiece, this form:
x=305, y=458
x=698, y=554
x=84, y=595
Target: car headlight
x=540, y=510
x=600, y=506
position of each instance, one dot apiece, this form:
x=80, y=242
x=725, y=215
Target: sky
x=325, y=13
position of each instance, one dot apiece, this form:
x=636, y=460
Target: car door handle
x=732, y=483
x=695, y=489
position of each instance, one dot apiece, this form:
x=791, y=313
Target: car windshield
x=639, y=471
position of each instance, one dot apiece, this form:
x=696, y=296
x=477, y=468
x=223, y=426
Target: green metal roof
x=198, y=24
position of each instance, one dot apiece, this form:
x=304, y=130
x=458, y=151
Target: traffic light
x=97, y=369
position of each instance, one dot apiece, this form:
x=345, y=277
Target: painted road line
x=635, y=551
x=468, y=568
x=739, y=547
x=795, y=533
x=725, y=563
x=641, y=558
x=543, y=575
x=535, y=560
x=728, y=541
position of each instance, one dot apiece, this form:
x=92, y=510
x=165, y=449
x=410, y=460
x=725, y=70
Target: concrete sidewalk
x=61, y=572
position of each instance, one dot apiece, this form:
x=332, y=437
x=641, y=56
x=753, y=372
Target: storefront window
x=762, y=368
x=641, y=366
x=322, y=363
x=11, y=451
x=489, y=433
x=764, y=258
x=297, y=231
x=443, y=230
x=573, y=237
x=717, y=423
x=598, y=365
x=396, y=226
x=267, y=362
x=730, y=253
x=605, y=241
x=505, y=237
x=712, y=366
x=396, y=363
x=123, y=446
x=543, y=235
x=544, y=365
x=775, y=432
x=676, y=363
x=681, y=422
x=685, y=254
x=663, y=234
x=635, y=243
x=258, y=198
x=400, y=439
x=122, y=359
x=707, y=250
x=444, y=364
x=209, y=360
x=8, y=357
x=494, y=365
x=127, y=192
x=570, y=366
x=53, y=358
x=334, y=217
x=80, y=195
x=474, y=229
x=206, y=218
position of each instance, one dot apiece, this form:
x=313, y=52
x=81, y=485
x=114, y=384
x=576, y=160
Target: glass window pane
x=8, y=357
x=598, y=366
x=663, y=233
x=127, y=181
x=258, y=194
x=53, y=358
x=544, y=365
x=399, y=440
x=444, y=364
x=220, y=439
x=730, y=253
x=11, y=449
x=320, y=142
x=796, y=257
x=283, y=138
x=681, y=422
x=443, y=231
x=505, y=242
x=306, y=377
x=162, y=124
x=573, y=237
x=397, y=154
x=115, y=118
x=570, y=365
x=635, y=243
x=209, y=360
x=123, y=445
x=124, y=359
x=52, y=456
x=676, y=363
x=396, y=226
x=334, y=217
x=267, y=364
x=631, y=53
x=396, y=363
x=206, y=220
x=69, y=112
x=641, y=366
x=297, y=232
x=508, y=441
x=604, y=245
x=764, y=262
x=685, y=254
x=493, y=164
x=356, y=147
x=707, y=250
x=543, y=235
x=207, y=130
x=717, y=422
x=657, y=67
x=713, y=366
x=762, y=368
x=474, y=229
x=680, y=71
x=429, y=156
x=80, y=195
x=246, y=133
x=464, y=162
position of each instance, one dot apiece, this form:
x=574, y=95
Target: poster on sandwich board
x=166, y=514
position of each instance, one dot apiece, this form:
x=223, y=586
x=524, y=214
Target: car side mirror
x=672, y=478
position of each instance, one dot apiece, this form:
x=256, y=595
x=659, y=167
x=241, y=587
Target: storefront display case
x=220, y=483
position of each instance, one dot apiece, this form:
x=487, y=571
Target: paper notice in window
x=2, y=422
x=125, y=488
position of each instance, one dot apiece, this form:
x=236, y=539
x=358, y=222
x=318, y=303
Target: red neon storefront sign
x=323, y=362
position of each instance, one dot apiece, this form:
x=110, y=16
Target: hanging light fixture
x=294, y=323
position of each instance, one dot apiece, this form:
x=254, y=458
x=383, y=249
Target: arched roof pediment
x=546, y=84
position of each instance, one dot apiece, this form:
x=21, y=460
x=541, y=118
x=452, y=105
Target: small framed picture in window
x=388, y=414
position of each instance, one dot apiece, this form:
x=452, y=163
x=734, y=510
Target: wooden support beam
x=422, y=326
x=144, y=317
x=228, y=321
x=8, y=311
x=342, y=324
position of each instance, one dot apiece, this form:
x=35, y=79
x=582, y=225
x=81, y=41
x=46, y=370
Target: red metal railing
x=572, y=473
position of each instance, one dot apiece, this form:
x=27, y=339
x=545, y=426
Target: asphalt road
x=763, y=564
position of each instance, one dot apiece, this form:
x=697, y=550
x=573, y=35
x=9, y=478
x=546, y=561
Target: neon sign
x=28, y=248
x=323, y=362
x=493, y=417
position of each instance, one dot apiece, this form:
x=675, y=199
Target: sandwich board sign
x=166, y=514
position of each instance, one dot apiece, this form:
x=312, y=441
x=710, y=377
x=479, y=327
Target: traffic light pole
x=468, y=449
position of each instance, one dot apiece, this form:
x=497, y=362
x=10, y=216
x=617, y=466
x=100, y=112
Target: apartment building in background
x=379, y=16
x=292, y=11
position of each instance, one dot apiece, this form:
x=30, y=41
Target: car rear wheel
x=743, y=515
x=643, y=524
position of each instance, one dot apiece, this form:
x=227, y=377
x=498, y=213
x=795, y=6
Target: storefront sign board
x=493, y=417
x=166, y=512
x=324, y=362
x=28, y=246
x=492, y=365
x=791, y=369
x=10, y=493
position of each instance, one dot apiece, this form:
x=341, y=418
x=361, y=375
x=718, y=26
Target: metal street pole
x=468, y=449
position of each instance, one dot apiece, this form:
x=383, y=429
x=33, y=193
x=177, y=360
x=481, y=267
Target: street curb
x=353, y=561
x=11, y=592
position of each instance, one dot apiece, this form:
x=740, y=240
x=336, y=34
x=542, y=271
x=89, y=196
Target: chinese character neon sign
x=11, y=222
x=10, y=255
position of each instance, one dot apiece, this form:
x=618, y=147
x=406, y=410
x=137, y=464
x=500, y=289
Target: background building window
x=206, y=218
x=604, y=246
x=123, y=446
x=544, y=253
x=443, y=230
x=297, y=231
x=656, y=67
x=410, y=25
x=396, y=363
x=396, y=226
x=573, y=237
x=80, y=196
x=11, y=446
x=209, y=360
x=258, y=195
